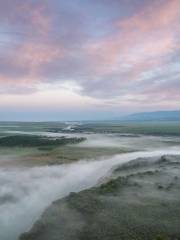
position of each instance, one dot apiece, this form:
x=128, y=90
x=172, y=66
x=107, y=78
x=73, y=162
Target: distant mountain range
x=153, y=116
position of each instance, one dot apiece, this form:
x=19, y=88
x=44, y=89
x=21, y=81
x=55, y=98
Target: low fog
x=26, y=192
x=137, y=142
x=131, y=141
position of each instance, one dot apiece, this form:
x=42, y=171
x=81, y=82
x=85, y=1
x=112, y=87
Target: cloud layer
x=122, y=52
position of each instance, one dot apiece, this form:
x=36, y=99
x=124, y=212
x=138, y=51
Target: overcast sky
x=88, y=59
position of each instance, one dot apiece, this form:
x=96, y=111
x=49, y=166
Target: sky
x=88, y=59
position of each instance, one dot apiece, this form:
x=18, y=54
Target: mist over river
x=25, y=193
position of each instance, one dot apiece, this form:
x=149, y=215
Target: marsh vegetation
x=36, y=141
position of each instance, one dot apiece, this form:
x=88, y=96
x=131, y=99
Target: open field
x=150, y=128
x=56, y=143
x=36, y=141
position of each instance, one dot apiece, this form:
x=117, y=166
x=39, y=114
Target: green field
x=26, y=143
x=149, y=128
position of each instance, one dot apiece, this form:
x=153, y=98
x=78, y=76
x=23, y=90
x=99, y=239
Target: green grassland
x=34, y=150
x=29, y=126
x=58, y=155
x=68, y=154
x=36, y=141
x=149, y=128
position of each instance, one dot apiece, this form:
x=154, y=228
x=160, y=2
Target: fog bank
x=26, y=192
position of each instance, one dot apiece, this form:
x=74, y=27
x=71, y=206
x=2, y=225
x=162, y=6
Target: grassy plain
x=25, y=144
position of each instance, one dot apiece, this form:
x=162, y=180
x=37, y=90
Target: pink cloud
x=54, y=46
x=159, y=15
x=38, y=17
x=35, y=55
x=142, y=40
